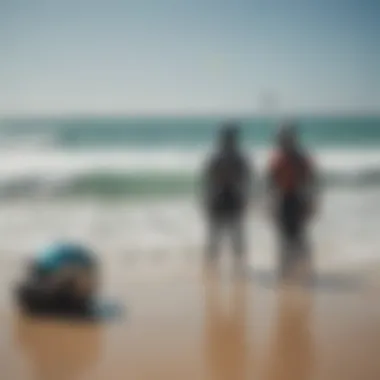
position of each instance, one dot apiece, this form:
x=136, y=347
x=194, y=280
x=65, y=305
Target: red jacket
x=289, y=173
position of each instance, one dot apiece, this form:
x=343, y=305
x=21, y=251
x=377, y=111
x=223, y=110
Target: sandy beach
x=185, y=326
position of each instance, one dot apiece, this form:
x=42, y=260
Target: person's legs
x=295, y=253
x=215, y=226
x=236, y=226
x=304, y=255
x=288, y=228
x=286, y=255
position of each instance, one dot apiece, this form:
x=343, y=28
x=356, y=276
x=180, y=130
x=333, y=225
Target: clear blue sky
x=93, y=56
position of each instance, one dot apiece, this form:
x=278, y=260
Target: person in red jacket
x=291, y=185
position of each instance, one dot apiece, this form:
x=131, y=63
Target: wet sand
x=185, y=327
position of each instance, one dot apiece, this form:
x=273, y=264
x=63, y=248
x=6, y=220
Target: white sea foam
x=60, y=164
x=158, y=232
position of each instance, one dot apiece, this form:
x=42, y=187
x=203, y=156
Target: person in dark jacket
x=227, y=184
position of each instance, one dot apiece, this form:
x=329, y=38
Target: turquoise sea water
x=146, y=156
x=188, y=131
x=127, y=186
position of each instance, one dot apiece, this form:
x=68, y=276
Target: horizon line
x=224, y=115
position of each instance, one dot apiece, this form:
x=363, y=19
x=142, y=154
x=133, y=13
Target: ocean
x=129, y=186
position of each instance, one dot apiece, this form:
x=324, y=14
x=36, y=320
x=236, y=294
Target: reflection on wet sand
x=225, y=331
x=58, y=351
x=291, y=349
x=186, y=331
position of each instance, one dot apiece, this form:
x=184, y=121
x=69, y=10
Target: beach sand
x=182, y=326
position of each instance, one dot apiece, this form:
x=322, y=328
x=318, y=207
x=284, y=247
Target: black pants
x=232, y=226
x=226, y=217
x=291, y=223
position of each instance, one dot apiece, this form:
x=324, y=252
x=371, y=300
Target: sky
x=189, y=56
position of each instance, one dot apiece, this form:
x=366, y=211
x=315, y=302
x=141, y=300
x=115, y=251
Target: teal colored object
x=59, y=255
x=102, y=310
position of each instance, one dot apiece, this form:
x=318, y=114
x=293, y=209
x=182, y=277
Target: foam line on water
x=152, y=171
